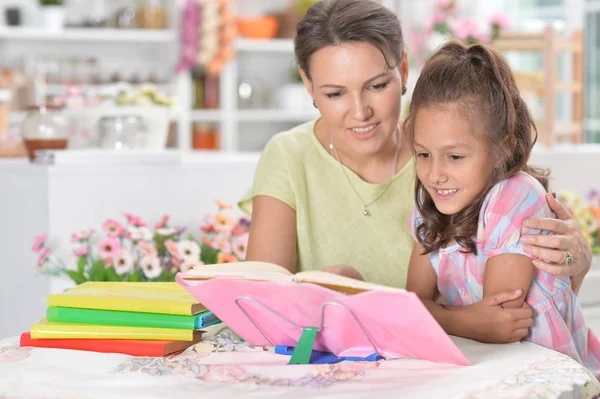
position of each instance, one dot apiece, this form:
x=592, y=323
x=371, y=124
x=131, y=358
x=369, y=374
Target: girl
x=472, y=134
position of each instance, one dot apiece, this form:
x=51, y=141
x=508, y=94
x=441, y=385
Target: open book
x=264, y=271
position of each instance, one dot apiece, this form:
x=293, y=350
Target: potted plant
x=53, y=14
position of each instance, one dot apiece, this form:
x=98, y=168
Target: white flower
x=140, y=233
x=166, y=231
x=189, y=264
x=123, y=263
x=150, y=266
x=189, y=250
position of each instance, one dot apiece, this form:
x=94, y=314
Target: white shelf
x=90, y=35
x=275, y=115
x=205, y=115
x=266, y=46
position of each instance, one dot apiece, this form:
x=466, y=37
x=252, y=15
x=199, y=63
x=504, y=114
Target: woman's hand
x=552, y=249
x=490, y=322
x=344, y=270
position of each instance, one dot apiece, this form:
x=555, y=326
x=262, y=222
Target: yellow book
x=159, y=297
x=56, y=330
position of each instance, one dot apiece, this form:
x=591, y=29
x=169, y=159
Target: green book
x=130, y=319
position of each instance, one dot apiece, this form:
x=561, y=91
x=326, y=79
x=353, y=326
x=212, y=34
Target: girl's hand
x=344, y=270
x=552, y=249
x=490, y=322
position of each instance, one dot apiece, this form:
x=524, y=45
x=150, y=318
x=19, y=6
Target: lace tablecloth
x=222, y=367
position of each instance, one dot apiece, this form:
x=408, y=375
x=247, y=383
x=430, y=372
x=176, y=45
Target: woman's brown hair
x=335, y=22
x=478, y=82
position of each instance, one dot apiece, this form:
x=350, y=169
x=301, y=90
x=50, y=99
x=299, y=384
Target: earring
x=315, y=104
x=403, y=90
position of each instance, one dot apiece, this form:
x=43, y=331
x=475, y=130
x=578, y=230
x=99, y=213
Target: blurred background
x=219, y=74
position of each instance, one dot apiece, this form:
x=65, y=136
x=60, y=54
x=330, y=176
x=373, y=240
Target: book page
x=262, y=271
x=340, y=283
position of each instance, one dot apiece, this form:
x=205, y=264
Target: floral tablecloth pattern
x=222, y=366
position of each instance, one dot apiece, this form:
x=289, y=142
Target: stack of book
x=135, y=318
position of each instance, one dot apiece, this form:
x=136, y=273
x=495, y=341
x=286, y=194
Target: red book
x=128, y=347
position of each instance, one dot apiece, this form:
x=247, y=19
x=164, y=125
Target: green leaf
x=135, y=276
x=98, y=271
x=81, y=264
x=111, y=275
x=208, y=254
x=76, y=276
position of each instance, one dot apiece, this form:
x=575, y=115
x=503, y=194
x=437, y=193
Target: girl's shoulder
x=519, y=194
x=516, y=187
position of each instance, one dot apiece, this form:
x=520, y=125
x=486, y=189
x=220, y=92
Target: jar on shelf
x=44, y=128
x=205, y=137
x=152, y=14
x=122, y=131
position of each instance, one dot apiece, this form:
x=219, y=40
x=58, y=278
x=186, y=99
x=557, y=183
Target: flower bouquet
x=132, y=251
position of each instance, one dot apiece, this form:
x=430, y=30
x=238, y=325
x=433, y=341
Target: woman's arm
x=485, y=321
x=552, y=249
x=273, y=233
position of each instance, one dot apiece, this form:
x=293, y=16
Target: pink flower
x=147, y=249
x=81, y=251
x=222, y=243
x=163, y=222
x=222, y=205
x=109, y=247
x=225, y=373
x=240, y=244
x=113, y=228
x=483, y=38
x=444, y=3
x=189, y=264
x=226, y=258
x=240, y=230
x=173, y=249
x=223, y=223
x=500, y=20
x=43, y=258
x=466, y=28
x=83, y=235
x=38, y=243
x=151, y=266
x=134, y=220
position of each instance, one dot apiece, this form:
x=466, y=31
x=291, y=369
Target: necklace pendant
x=366, y=212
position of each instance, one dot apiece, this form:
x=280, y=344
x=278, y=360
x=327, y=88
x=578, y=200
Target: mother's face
x=358, y=96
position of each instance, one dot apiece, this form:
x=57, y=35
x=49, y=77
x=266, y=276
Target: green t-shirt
x=331, y=228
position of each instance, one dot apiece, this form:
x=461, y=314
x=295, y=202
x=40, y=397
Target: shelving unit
x=547, y=84
x=90, y=35
x=237, y=126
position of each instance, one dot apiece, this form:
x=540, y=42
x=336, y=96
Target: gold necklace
x=366, y=205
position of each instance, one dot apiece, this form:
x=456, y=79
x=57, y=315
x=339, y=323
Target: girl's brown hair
x=478, y=82
x=335, y=22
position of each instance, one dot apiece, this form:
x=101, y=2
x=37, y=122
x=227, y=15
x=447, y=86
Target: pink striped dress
x=558, y=318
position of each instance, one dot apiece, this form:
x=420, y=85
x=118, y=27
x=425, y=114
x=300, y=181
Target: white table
x=220, y=367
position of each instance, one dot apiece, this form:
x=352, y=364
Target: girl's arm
x=484, y=321
x=508, y=272
x=272, y=233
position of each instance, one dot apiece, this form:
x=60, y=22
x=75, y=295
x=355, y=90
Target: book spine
x=206, y=319
x=119, y=318
x=53, y=330
x=127, y=305
x=127, y=347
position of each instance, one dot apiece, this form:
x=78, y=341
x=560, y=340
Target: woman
x=336, y=193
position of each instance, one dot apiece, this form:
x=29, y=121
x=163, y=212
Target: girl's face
x=453, y=163
x=358, y=96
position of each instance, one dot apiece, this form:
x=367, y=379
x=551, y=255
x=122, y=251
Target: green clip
x=304, y=347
